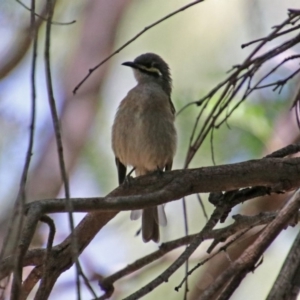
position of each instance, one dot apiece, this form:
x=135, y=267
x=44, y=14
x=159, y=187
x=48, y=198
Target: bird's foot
x=128, y=178
x=127, y=181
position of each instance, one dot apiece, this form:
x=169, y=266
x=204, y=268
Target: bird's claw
x=127, y=180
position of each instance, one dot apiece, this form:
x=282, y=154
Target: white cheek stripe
x=152, y=69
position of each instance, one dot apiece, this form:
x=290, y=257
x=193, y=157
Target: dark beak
x=129, y=64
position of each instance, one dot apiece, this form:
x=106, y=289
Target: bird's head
x=151, y=67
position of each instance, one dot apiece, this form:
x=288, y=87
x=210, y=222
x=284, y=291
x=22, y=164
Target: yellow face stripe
x=151, y=70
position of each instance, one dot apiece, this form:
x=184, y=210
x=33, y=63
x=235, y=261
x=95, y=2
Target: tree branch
x=246, y=262
x=153, y=189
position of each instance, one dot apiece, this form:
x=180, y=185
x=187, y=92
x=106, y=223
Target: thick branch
x=144, y=191
x=153, y=189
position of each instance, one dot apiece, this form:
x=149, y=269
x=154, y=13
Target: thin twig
x=276, y=35
x=164, y=276
x=285, y=151
x=59, y=143
x=186, y=232
x=132, y=40
x=246, y=262
x=240, y=223
x=42, y=18
x=46, y=264
x=202, y=206
x=30, y=281
x=240, y=80
x=21, y=199
x=221, y=249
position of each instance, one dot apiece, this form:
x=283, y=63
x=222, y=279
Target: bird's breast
x=144, y=135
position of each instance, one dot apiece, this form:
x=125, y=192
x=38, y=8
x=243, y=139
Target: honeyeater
x=143, y=132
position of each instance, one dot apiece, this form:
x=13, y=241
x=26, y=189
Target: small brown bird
x=143, y=133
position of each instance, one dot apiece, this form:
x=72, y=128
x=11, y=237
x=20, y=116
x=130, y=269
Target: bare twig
x=31, y=280
x=241, y=223
x=186, y=232
x=86, y=282
x=25, y=239
x=221, y=249
x=21, y=199
x=60, y=151
x=241, y=82
x=285, y=151
x=21, y=45
x=165, y=275
x=284, y=32
x=43, y=18
x=246, y=262
x=45, y=273
x=202, y=206
x=132, y=40
x=36, y=256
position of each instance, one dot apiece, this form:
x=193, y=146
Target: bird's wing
x=121, y=170
x=169, y=166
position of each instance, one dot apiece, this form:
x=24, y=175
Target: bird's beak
x=129, y=64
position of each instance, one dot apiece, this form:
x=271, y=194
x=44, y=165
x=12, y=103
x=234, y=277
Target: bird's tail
x=152, y=217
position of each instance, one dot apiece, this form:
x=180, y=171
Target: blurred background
x=200, y=45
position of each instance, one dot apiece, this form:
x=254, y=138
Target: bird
x=144, y=134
